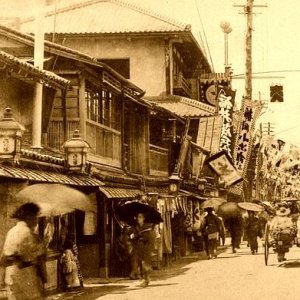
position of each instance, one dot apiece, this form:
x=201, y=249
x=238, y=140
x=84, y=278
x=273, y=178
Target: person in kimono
x=23, y=256
x=143, y=238
x=70, y=265
x=212, y=229
x=253, y=228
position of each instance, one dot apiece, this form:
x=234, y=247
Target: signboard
x=226, y=98
x=222, y=166
x=209, y=133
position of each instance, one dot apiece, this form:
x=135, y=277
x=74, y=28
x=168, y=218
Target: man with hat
x=282, y=230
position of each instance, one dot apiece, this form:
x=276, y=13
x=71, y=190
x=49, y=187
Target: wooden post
x=64, y=104
x=82, y=107
x=38, y=89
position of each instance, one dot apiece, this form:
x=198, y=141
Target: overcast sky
x=276, y=46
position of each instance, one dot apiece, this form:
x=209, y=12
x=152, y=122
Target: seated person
x=282, y=228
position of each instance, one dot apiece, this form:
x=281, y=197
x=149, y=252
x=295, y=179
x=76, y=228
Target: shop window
x=103, y=106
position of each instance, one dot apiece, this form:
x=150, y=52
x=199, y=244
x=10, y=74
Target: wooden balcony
x=181, y=86
x=105, y=144
x=159, y=161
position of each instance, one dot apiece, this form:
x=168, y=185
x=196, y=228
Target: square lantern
x=76, y=153
x=10, y=136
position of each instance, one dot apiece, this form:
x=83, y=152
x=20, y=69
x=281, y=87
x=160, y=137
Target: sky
x=276, y=45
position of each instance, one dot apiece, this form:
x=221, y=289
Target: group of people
x=24, y=258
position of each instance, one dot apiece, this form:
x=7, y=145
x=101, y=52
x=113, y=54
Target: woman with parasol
x=252, y=224
x=142, y=218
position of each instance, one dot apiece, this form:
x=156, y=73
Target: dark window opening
x=122, y=66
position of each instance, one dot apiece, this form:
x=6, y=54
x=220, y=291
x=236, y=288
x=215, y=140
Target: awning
x=119, y=193
x=47, y=176
x=181, y=106
x=194, y=195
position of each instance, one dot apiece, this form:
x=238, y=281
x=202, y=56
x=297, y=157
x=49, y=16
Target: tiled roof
x=47, y=77
x=47, y=176
x=106, y=16
x=118, y=193
x=63, y=51
x=182, y=106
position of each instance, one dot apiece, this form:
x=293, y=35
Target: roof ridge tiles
x=124, y=3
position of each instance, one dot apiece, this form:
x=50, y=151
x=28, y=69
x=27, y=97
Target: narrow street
x=231, y=276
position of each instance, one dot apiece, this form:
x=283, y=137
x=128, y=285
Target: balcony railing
x=105, y=144
x=181, y=85
x=159, y=162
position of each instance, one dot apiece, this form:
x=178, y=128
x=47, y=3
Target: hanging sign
x=222, y=166
x=276, y=93
x=226, y=98
x=244, y=141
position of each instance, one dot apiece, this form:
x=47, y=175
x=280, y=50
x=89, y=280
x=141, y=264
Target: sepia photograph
x=149, y=149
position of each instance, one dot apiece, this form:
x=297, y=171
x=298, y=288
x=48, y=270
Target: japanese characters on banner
x=226, y=98
x=244, y=141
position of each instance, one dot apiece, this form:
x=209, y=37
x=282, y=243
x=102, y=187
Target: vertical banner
x=244, y=141
x=186, y=142
x=226, y=97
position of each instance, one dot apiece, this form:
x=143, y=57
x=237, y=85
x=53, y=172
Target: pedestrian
x=212, y=228
x=235, y=228
x=70, y=265
x=24, y=255
x=143, y=238
x=253, y=230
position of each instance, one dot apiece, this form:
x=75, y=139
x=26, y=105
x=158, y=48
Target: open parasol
x=229, y=210
x=290, y=199
x=250, y=206
x=213, y=202
x=55, y=199
x=128, y=211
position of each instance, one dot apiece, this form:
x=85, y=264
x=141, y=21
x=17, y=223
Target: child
x=69, y=263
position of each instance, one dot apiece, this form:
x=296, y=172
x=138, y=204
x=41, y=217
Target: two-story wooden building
x=158, y=54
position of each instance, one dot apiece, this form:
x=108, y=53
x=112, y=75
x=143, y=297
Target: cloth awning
x=194, y=195
x=119, y=193
x=47, y=176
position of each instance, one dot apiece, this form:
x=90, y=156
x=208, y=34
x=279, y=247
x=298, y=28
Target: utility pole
x=248, y=10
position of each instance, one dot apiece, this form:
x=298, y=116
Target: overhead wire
x=204, y=34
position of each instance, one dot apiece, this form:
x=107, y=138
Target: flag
x=276, y=93
x=245, y=137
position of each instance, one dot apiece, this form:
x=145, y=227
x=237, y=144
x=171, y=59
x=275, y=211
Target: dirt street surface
x=239, y=276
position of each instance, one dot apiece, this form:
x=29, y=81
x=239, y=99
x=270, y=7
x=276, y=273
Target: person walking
x=212, y=228
x=143, y=238
x=23, y=256
x=253, y=230
x=235, y=228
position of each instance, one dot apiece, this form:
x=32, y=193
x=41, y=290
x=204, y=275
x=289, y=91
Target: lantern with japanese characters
x=76, y=153
x=10, y=136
